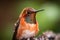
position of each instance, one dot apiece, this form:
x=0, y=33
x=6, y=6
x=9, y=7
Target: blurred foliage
x=49, y=19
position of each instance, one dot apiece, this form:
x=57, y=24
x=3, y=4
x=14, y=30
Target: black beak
x=39, y=10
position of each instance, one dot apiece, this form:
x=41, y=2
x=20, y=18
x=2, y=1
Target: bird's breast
x=28, y=34
x=26, y=30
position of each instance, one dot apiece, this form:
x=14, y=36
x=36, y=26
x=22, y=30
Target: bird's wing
x=16, y=28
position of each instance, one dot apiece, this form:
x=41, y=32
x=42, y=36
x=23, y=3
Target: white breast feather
x=28, y=33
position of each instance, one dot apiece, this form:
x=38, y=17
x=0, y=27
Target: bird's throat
x=30, y=19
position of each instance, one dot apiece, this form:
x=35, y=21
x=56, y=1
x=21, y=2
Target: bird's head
x=29, y=14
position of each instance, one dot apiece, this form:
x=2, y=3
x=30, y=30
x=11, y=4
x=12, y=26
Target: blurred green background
x=49, y=19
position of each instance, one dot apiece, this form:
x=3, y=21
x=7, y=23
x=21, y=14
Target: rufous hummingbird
x=26, y=25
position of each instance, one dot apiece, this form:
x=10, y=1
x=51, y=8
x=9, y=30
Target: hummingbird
x=26, y=25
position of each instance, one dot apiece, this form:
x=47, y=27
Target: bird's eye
x=28, y=12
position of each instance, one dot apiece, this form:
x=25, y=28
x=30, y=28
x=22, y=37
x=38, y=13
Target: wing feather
x=16, y=28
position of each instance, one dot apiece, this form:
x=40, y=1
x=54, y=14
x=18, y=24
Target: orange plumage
x=26, y=26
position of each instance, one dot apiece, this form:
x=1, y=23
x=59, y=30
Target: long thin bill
x=39, y=10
